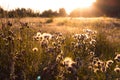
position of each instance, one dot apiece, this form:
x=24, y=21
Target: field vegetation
x=60, y=48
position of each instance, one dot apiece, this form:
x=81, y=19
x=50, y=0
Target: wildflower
x=76, y=36
x=68, y=62
x=63, y=41
x=87, y=30
x=91, y=53
x=117, y=57
x=90, y=67
x=54, y=43
x=36, y=38
x=117, y=69
x=86, y=36
x=10, y=38
x=109, y=63
x=73, y=69
x=59, y=57
x=35, y=49
x=78, y=61
x=99, y=64
x=103, y=68
x=96, y=59
x=95, y=70
x=60, y=34
x=44, y=43
x=72, y=43
x=50, y=50
x=38, y=34
x=81, y=37
x=19, y=38
x=92, y=41
x=58, y=46
x=78, y=45
x=47, y=36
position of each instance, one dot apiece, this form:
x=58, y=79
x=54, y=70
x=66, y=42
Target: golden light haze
x=41, y=5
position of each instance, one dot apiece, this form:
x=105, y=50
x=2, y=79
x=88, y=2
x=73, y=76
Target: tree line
x=19, y=13
x=109, y=8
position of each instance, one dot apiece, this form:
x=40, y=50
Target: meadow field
x=60, y=48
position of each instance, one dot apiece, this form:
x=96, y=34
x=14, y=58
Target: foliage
x=49, y=13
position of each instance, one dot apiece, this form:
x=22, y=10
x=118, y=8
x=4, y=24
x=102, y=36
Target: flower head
x=109, y=63
x=117, y=57
x=35, y=49
x=38, y=34
x=96, y=70
x=117, y=69
x=46, y=36
x=68, y=62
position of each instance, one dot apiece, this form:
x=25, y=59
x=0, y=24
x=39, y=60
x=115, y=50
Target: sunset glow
x=42, y=5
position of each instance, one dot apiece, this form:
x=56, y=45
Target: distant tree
x=29, y=12
x=55, y=13
x=11, y=14
x=1, y=12
x=49, y=13
x=18, y=13
x=23, y=11
x=62, y=12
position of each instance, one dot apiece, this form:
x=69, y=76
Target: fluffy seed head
x=35, y=49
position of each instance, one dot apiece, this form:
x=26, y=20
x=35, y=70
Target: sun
x=72, y=4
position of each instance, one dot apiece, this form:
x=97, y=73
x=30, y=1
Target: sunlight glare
x=42, y=5
x=72, y=4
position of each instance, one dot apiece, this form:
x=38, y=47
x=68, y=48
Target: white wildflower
x=76, y=36
x=59, y=57
x=38, y=34
x=35, y=49
x=93, y=41
x=117, y=69
x=95, y=70
x=68, y=62
x=109, y=63
x=46, y=36
x=117, y=57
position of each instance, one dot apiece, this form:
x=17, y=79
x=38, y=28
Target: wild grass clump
x=64, y=22
x=49, y=20
x=104, y=48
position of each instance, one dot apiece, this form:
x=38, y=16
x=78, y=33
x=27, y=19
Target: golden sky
x=41, y=5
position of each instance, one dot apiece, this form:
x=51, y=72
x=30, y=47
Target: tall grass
x=27, y=52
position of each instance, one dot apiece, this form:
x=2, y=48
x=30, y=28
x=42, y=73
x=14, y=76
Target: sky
x=41, y=5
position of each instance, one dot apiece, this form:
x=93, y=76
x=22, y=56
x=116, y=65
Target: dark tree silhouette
x=49, y=13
